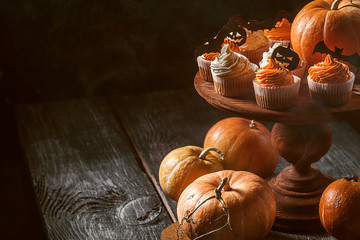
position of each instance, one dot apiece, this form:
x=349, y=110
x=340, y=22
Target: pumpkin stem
x=252, y=124
x=217, y=195
x=207, y=150
x=334, y=5
x=354, y=178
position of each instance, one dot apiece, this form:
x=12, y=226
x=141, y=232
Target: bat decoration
x=286, y=57
x=235, y=33
x=354, y=59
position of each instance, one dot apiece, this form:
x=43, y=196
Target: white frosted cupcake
x=275, y=87
x=299, y=71
x=204, y=62
x=232, y=74
x=330, y=82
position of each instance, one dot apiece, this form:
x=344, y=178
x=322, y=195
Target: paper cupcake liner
x=277, y=97
x=284, y=43
x=335, y=94
x=235, y=85
x=301, y=72
x=254, y=56
x=204, y=69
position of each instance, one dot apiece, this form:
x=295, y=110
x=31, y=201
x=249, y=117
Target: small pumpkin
x=183, y=165
x=339, y=208
x=246, y=145
x=328, y=27
x=243, y=207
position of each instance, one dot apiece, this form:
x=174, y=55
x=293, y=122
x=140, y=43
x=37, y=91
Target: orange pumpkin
x=336, y=23
x=247, y=212
x=339, y=208
x=183, y=165
x=246, y=145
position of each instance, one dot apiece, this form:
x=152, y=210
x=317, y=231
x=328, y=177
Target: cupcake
x=299, y=71
x=233, y=46
x=204, y=62
x=279, y=34
x=330, y=82
x=256, y=44
x=232, y=73
x=275, y=87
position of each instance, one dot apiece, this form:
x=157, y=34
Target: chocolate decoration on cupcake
x=207, y=47
x=235, y=33
x=286, y=57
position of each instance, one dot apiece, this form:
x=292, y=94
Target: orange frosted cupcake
x=256, y=44
x=279, y=34
x=204, y=62
x=330, y=82
x=299, y=71
x=275, y=87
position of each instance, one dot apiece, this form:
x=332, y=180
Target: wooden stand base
x=298, y=188
x=297, y=200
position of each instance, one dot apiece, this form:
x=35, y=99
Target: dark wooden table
x=94, y=162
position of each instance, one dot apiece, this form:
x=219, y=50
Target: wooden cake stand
x=302, y=136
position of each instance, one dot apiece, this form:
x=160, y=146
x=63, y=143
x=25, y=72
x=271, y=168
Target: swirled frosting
x=210, y=56
x=267, y=55
x=280, y=32
x=233, y=46
x=272, y=75
x=329, y=71
x=255, y=40
x=231, y=63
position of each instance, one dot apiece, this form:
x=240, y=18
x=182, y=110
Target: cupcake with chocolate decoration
x=232, y=73
x=204, y=62
x=275, y=87
x=286, y=56
x=279, y=34
x=330, y=82
x=256, y=44
x=233, y=46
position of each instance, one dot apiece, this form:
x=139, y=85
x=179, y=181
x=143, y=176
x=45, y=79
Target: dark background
x=61, y=49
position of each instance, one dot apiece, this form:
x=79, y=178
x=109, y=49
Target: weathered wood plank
x=86, y=177
x=161, y=121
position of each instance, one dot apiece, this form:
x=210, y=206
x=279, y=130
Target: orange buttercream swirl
x=210, y=56
x=272, y=75
x=255, y=40
x=280, y=32
x=233, y=46
x=330, y=71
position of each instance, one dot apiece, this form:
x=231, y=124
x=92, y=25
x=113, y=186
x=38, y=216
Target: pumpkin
x=183, y=165
x=328, y=27
x=339, y=208
x=243, y=207
x=246, y=145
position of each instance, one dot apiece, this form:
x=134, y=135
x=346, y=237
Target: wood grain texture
x=161, y=121
x=304, y=112
x=85, y=174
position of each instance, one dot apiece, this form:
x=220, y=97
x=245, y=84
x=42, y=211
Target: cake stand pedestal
x=302, y=136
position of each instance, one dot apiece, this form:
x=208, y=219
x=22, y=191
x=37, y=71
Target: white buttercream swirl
x=231, y=63
x=267, y=55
